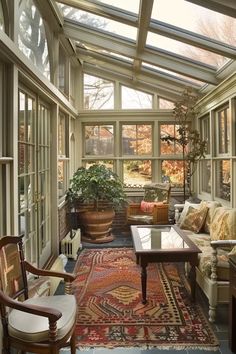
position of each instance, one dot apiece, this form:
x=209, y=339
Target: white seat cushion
x=34, y=328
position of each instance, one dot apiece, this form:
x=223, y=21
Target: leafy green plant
x=95, y=184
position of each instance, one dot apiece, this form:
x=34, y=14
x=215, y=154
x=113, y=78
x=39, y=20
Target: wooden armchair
x=40, y=324
x=153, y=209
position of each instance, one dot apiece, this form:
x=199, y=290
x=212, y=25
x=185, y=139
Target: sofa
x=212, y=227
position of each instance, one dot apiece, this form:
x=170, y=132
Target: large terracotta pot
x=97, y=225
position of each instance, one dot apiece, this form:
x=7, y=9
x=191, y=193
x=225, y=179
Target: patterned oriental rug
x=111, y=314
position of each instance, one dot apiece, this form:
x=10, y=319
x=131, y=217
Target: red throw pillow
x=147, y=207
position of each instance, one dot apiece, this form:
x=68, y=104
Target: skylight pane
x=185, y=50
x=132, y=6
x=172, y=74
x=99, y=22
x=196, y=19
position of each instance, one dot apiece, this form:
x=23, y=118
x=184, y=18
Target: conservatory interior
x=87, y=82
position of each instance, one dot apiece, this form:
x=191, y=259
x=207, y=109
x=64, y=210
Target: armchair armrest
x=68, y=277
x=223, y=243
x=215, y=245
x=52, y=314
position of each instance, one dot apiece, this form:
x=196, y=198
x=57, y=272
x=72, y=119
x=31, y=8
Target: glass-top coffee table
x=153, y=244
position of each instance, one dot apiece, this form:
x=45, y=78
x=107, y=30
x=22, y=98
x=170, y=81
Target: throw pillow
x=223, y=226
x=147, y=207
x=185, y=210
x=194, y=219
x=212, y=205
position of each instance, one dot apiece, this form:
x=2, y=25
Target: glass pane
x=62, y=70
x=224, y=130
x=196, y=19
x=99, y=22
x=135, y=99
x=165, y=104
x=30, y=128
x=99, y=140
x=136, y=173
x=170, y=146
x=1, y=17
x=186, y=50
x=32, y=39
x=160, y=237
x=205, y=131
x=136, y=139
x=205, y=175
x=62, y=135
x=223, y=179
x=98, y=93
x=172, y=171
x=21, y=119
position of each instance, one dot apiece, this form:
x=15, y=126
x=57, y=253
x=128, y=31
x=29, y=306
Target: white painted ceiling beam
x=127, y=48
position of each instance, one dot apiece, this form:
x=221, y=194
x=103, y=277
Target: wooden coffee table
x=154, y=244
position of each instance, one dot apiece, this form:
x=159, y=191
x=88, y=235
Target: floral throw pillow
x=194, y=219
x=223, y=226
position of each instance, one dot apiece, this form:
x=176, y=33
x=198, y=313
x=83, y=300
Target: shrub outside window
x=223, y=179
x=136, y=139
x=136, y=173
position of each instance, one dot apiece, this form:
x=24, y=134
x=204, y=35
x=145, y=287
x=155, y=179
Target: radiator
x=70, y=246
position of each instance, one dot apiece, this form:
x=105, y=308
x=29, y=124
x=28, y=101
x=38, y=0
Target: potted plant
x=97, y=186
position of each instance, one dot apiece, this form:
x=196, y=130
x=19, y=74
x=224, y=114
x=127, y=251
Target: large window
x=99, y=140
x=136, y=139
x=170, y=147
x=98, y=93
x=134, y=99
x=32, y=39
x=63, y=153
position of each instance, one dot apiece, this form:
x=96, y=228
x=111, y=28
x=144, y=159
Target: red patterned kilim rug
x=111, y=314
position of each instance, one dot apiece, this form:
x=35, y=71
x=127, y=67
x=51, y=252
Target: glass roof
x=195, y=18
x=177, y=42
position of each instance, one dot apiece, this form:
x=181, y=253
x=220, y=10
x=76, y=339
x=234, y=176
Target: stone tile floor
x=220, y=327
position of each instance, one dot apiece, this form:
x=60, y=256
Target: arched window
x=32, y=39
x=2, y=27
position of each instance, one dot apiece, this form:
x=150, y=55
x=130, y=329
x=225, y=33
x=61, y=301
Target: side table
x=232, y=304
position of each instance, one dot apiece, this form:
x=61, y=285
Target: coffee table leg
x=144, y=283
x=192, y=280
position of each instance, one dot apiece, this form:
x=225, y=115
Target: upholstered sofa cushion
x=223, y=226
x=194, y=219
x=34, y=328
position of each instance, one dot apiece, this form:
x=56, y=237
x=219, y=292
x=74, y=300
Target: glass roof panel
x=132, y=6
x=98, y=22
x=186, y=50
x=196, y=19
x=172, y=73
